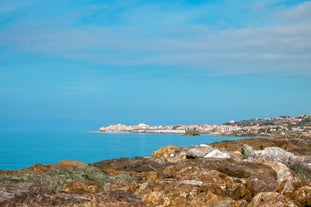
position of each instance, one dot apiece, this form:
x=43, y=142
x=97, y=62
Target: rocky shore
x=250, y=173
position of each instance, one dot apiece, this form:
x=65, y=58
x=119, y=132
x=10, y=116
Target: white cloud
x=281, y=47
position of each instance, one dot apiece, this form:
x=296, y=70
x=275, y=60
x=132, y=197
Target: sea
x=20, y=150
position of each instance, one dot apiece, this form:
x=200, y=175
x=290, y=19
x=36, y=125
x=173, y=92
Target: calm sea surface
x=21, y=150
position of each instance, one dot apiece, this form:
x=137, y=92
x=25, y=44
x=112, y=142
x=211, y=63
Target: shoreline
x=205, y=133
x=283, y=126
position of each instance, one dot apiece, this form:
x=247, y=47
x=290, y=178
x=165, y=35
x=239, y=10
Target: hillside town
x=278, y=126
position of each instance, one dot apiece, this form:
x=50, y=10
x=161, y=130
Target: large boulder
x=267, y=154
x=217, y=154
x=198, y=151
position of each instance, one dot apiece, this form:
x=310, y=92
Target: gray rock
x=198, y=151
x=217, y=154
x=191, y=182
x=267, y=154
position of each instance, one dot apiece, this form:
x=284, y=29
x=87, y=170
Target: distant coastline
x=279, y=126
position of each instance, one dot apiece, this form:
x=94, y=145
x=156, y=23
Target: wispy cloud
x=302, y=12
x=148, y=34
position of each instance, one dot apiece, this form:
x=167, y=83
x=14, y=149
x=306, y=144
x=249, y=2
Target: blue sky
x=82, y=64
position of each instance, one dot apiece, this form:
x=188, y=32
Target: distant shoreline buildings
x=279, y=126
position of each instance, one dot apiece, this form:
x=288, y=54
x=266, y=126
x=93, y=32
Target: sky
x=82, y=64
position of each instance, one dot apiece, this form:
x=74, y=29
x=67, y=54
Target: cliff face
x=255, y=172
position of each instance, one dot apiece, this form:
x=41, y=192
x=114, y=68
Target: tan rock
x=303, y=195
x=287, y=180
x=113, y=171
x=269, y=199
x=237, y=154
x=170, y=154
x=155, y=198
x=72, y=163
x=40, y=168
x=37, y=169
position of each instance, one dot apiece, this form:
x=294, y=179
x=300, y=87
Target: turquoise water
x=21, y=150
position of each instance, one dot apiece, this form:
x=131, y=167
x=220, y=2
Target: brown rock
x=72, y=163
x=37, y=169
x=179, y=194
x=40, y=168
x=297, y=146
x=287, y=180
x=147, y=175
x=170, y=154
x=138, y=164
x=11, y=190
x=303, y=195
x=113, y=171
x=268, y=199
x=38, y=196
x=78, y=186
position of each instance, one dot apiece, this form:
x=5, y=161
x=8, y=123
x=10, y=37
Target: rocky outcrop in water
x=246, y=173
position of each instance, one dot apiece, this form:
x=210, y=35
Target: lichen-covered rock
x=57, y=178
x=301, y=165
x=38, y=196
x=247, y=151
